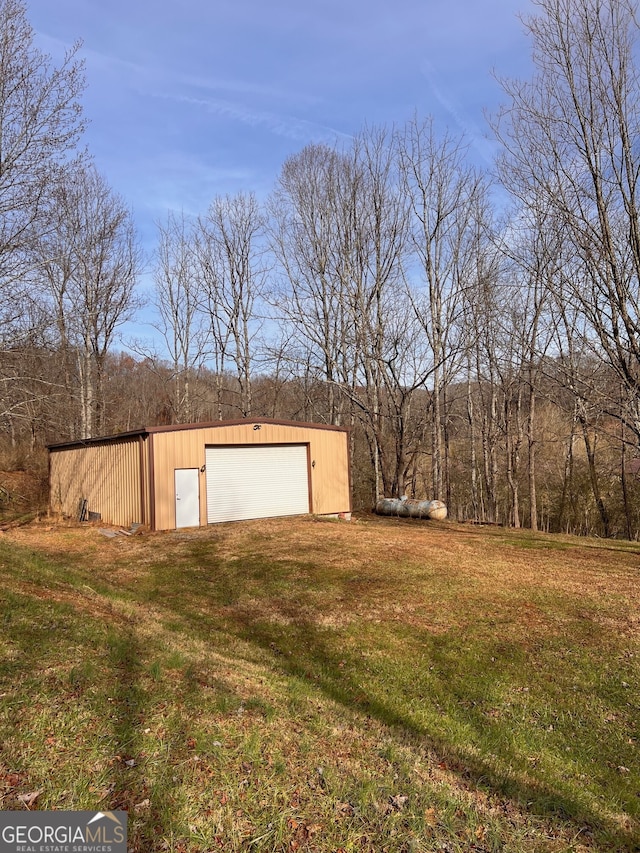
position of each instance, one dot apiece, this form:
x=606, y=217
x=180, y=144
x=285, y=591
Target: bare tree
x=40, y=124
x=532, y=247
x=354, y=232
x=392, y=360
x=587, y=381
x=445, y=196
x=338, y=231
x=570, y=140
x=178, y=298
x=90, y=261
x=230, y=260
x=314, y=214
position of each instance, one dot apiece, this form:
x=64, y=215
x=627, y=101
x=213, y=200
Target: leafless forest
x=479, y=331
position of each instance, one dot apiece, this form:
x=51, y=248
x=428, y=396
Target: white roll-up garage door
x=257, y=481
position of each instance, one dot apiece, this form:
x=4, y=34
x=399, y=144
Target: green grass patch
x=289, y=685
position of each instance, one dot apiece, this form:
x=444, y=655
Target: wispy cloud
x=280, y=124
x=187, y=184
x=469, y=128
x=244, y=87
x=152, y=79
x=163, y=83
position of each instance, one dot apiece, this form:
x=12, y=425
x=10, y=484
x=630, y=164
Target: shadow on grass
x=302, y=651
x=129, y=705
x=207, y=598
x=52, y=664
x=76, y=697
x=325, y=659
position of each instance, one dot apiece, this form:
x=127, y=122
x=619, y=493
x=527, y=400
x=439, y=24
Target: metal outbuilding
x=195, y=474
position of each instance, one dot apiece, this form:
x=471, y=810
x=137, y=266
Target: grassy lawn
x=306, y=685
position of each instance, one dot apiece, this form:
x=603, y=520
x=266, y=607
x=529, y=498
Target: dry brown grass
x=330, y=627
x=386, y=558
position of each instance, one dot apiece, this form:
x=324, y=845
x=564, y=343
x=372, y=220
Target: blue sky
x=193, y=99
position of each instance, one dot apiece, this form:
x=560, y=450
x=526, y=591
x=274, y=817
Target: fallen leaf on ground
x=29, y=799
x=431, y=817
x=398, y=802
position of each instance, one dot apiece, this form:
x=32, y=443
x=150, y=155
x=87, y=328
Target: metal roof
x=145, y=431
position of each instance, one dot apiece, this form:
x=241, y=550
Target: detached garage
x=196, y=474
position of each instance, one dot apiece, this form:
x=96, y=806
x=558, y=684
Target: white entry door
x=187, y=497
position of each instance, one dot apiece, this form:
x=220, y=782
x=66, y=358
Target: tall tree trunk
x=513, y=431
x=590, y=447
x=475, y=503
x=623, y=481
x=436, y=439
x=447, y=447
x=489, y=459
x=533, y=500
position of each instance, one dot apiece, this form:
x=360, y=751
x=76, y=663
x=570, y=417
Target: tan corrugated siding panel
x=330, y=488
x=171, y=450
x=107, y=475
x=146, y=479
x=330, y=475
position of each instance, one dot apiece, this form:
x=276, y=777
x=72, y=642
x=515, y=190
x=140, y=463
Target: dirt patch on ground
x=60, y=537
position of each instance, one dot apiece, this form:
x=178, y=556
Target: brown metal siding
x=145, y=478
x=107, y=475
x=329, y=480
